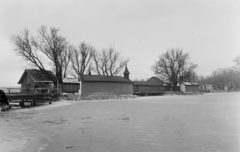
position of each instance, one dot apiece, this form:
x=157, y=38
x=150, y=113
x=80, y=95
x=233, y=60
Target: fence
x=29, y=91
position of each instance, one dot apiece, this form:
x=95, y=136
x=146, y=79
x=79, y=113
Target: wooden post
x=57, y=86
x=80, y=89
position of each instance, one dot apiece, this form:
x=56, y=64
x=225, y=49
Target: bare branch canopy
x=173, y=66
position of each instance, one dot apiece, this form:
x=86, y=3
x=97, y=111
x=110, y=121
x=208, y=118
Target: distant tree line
x=225, y=77
x=50, y=48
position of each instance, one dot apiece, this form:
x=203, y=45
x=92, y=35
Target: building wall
x=173, y=88
x=27, y=86
x=191, y=88
x=206, y=87
x=106, y=88
x=148, y=89
x=182, y=88
x=70, y=87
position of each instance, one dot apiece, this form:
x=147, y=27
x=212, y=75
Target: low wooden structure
x=143, y=88
x=170, y=87
x=154, y=86
x=189, y=87
x=206, y=88
x=99, y=84
x=70, y=85
x=29, y=98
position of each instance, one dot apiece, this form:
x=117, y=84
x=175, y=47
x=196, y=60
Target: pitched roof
x=155, y=80
x=102, y=78
x=38, y=76
x=190, y=83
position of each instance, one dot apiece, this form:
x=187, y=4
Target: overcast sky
x=209, y=30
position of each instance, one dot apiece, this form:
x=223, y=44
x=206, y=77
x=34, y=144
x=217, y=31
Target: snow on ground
x=161, y=123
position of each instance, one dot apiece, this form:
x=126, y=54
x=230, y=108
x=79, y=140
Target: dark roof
x=145, y=83
x=190, y=83
x=102, y=78
x=38, y=76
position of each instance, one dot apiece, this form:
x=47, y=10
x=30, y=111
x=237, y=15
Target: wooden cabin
x=35, y=81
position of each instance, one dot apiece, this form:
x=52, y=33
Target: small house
x=206, y=87
x=70, y=85
x=189, y=87
x=33, y=81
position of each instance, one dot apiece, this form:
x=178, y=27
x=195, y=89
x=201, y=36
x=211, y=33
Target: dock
x=34, y=99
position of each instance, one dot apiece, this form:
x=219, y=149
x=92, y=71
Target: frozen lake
x=197, y=123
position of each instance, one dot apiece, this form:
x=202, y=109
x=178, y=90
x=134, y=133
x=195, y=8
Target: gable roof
x=102, y=78
x=190, y=83
x=38, y=76
x=155, y=80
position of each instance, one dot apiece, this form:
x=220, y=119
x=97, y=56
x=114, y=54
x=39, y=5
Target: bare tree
x=173, y=65
x=23, y=46
x=67, y=55
x=25, y=49
x=109, y=62
x=222, y=78
x=237, y=64
x=225, y=78
x=81, y=59
x=52, y=45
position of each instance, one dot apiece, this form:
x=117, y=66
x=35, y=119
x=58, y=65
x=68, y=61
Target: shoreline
x=17, y=135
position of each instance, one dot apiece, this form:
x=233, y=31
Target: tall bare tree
x=174, y=66
x=67, y=55
x=52, y=45
x=109, y=62
x=81, y=59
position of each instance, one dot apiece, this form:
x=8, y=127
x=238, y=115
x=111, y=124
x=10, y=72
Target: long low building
x=98, y=84
x=35, y=81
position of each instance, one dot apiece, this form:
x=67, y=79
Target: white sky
x=141, y=30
